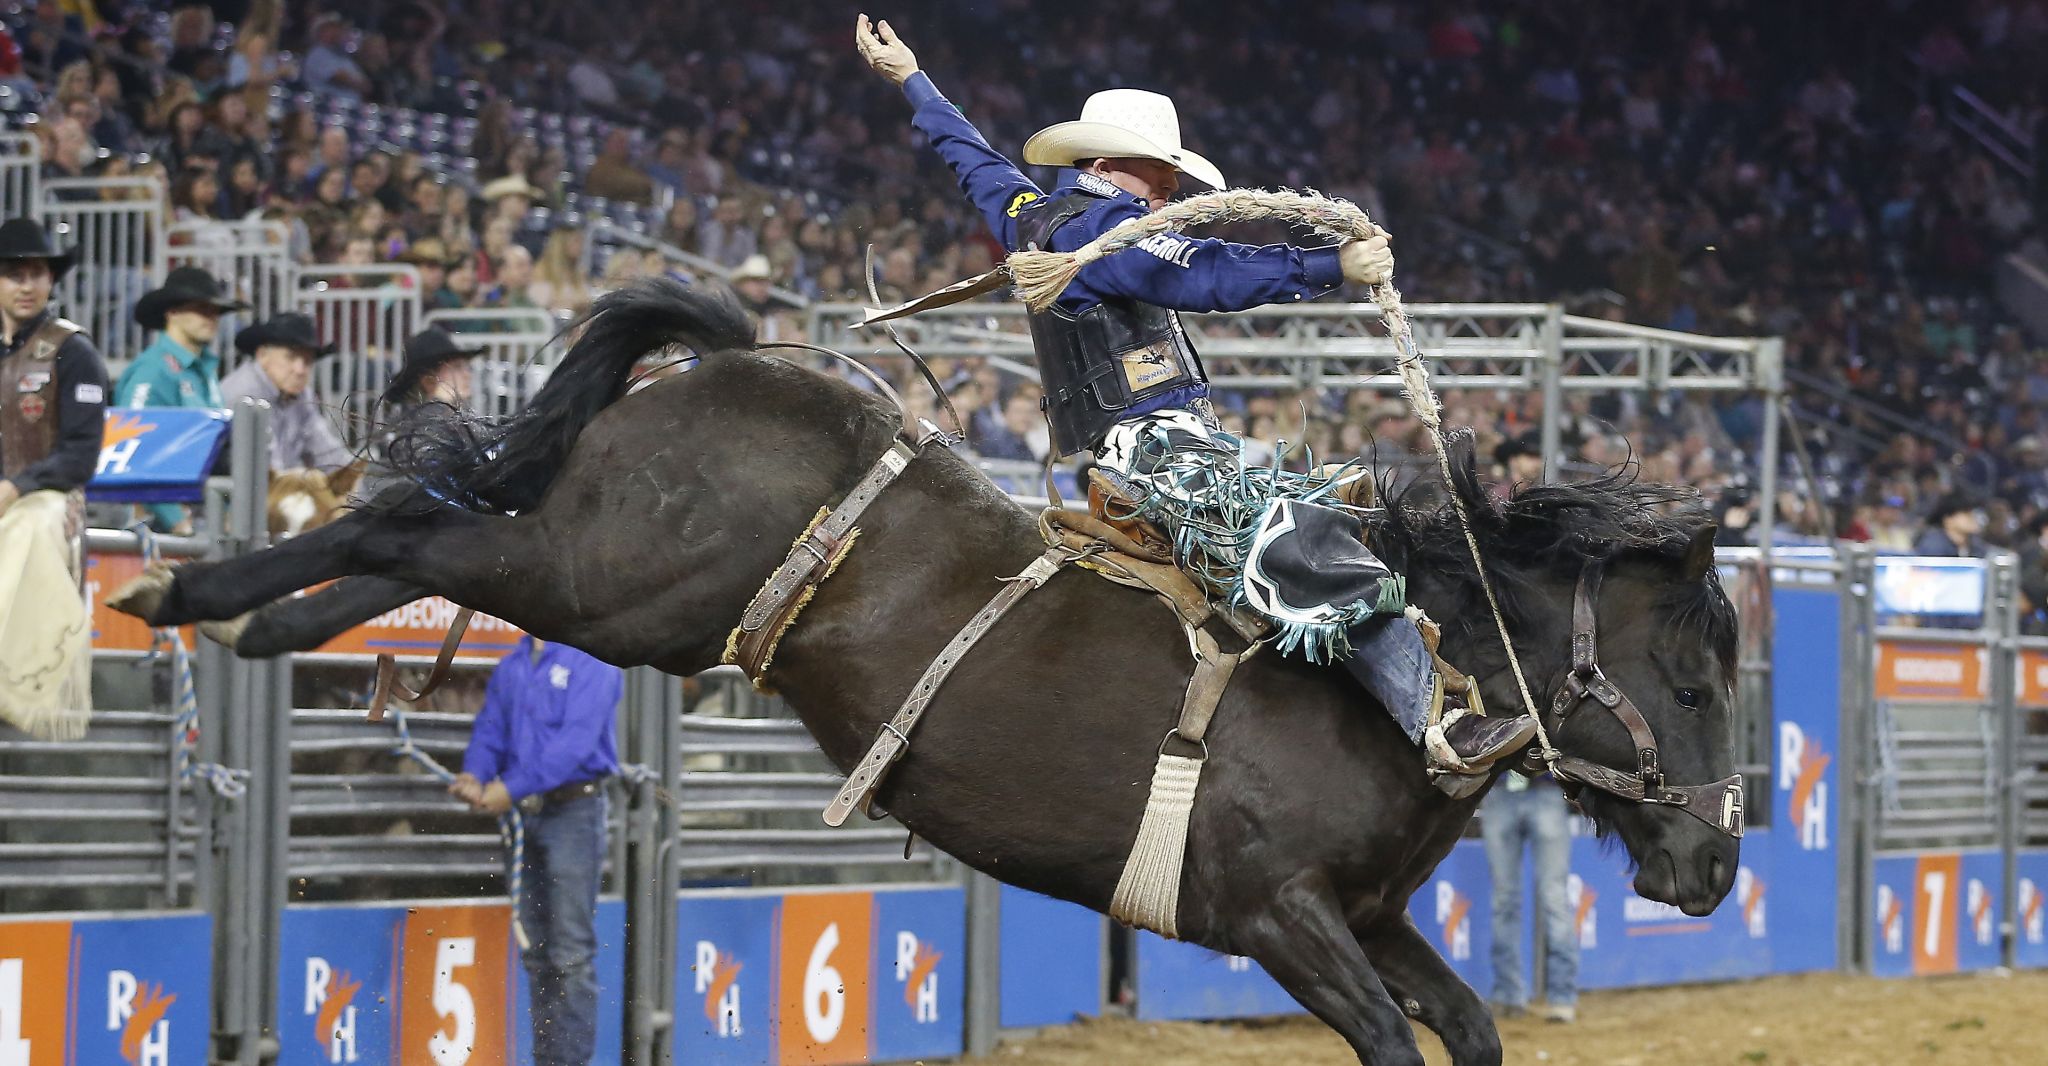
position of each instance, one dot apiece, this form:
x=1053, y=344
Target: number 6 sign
x=823, y=1003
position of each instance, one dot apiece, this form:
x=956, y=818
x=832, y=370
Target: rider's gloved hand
x=1367, y=262
x=882, y=49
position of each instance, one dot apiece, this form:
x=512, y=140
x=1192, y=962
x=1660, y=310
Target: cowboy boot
x=1391, y=661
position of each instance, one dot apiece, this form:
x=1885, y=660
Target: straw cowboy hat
x=1121, y=124
x=509, y=185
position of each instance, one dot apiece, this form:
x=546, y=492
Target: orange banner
x=415, y=629
x=35, y=977
x=112, y=630
x=1936, y=880
x=1930, y=672
x=2033, y=681
x=454, y=986
x=822, y=1009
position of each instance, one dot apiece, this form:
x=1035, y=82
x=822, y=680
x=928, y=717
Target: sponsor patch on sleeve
x=89, y=393
x=1017, y=202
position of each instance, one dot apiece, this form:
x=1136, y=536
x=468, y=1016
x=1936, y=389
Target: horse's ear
x=1699, y=555
x=343, y=481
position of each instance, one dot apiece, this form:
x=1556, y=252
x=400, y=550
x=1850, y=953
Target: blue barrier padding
x=158, y=454
x=1052, y=960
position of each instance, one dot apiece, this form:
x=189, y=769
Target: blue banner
x=337, y=985
x=1052, y=960
x=725, y=990
x=1178, y=981
x=1454, y=910
x=2030, y=908
x=142, y=990
x=1795, y=867
x=157, y=454
x=919, y=974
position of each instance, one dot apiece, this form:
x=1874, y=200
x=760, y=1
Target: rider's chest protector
x=1098, y=364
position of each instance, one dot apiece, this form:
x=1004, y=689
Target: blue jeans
x=1538, y=817
x=558, y=907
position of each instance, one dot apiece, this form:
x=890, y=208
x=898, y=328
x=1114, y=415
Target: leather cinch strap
x=894, y=739
x=1717, y=803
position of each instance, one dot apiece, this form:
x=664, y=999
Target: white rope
x=225, y=782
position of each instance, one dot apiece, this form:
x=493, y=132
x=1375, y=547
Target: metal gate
x=116, y=226
x=21, y=161
x=518, y=352
x=368, y=311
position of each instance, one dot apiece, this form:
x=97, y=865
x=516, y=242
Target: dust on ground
x=1809, y=1020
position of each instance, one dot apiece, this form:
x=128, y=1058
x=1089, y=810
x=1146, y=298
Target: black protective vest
x=1095, y=365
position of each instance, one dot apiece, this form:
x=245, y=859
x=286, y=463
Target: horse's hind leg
x=1419, y=979
x=1301, y=939
x=302, y=623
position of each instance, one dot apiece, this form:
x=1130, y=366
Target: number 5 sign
x=823, y=1006
x=453, y=1008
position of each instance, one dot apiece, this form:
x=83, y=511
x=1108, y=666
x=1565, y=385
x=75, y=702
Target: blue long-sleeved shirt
x=1168, y=270
x=546, y=723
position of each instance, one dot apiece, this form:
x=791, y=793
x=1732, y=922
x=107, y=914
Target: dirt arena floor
x=1817, y=1020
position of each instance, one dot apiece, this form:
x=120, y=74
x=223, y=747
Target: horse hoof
x=227, y=633
x=143, y=596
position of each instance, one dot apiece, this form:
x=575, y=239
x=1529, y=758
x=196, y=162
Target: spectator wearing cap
x=430, y=257
x=1955, y=528
x=179, y=368
x=52, y=395
x=285, y=348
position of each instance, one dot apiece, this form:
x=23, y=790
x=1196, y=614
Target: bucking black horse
x=636, y=527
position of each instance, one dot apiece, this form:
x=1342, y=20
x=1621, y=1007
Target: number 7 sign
x=1935, y=911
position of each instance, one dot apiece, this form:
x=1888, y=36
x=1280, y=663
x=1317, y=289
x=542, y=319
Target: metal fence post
x=1856, y=853
x=654, y=702
x=984, y=962
x=1552, y=371
x=2005, y=701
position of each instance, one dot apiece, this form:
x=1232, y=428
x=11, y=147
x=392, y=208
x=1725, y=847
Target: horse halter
x=1717, y=803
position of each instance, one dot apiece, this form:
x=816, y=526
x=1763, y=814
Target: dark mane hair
x=1554, y=531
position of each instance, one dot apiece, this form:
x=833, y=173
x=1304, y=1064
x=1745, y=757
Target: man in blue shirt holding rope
x=544, y=742
x=1121, y=377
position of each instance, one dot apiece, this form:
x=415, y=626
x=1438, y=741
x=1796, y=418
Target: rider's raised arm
x=1206, y=274
x=994, y=183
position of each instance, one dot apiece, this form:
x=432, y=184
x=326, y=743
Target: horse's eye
x=1689, y=698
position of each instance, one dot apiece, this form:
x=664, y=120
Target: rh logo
x=1801, y=768
x=2030, y=911
x=1749, y=893
x=1454, y=915
x=1891, y=920
x=1983, y=922
x=917, y=966
x=1584, y=918
x=330, y=997
x=717, y=980
x=136, y=1010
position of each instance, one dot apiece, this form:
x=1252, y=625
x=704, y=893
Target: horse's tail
x=497, y=466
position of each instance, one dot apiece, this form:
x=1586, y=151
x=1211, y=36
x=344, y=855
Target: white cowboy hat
x=1121, y=124
x=754, y=266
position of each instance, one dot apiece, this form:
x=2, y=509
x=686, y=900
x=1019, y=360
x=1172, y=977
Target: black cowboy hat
x=1953, y=502
x=1524, y=444
x=23, y=238
x=290, y=329
x=185, y=285
x=423, y=352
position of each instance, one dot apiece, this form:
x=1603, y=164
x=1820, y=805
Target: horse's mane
x=1551, y=532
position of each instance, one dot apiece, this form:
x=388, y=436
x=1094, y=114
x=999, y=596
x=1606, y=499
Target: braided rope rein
x=1040, y=277
x=511, y=826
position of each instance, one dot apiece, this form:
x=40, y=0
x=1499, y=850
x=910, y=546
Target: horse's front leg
x=1301, y=939
x=1426, y=987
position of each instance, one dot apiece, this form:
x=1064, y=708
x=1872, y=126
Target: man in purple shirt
x=543, y=742
x=1121, y=378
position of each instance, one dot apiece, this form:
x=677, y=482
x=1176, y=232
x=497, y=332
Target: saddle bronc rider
x=1121, y=378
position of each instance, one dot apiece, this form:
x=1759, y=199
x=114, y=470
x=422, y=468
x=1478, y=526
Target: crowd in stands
x=1730, y=167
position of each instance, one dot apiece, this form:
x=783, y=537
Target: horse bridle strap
x=1717, y=803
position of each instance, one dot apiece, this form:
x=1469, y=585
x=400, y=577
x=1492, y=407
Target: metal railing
x=116, y=228
x=368, y=311
x=519, y=352
x=21, y=164
x=252, y=258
